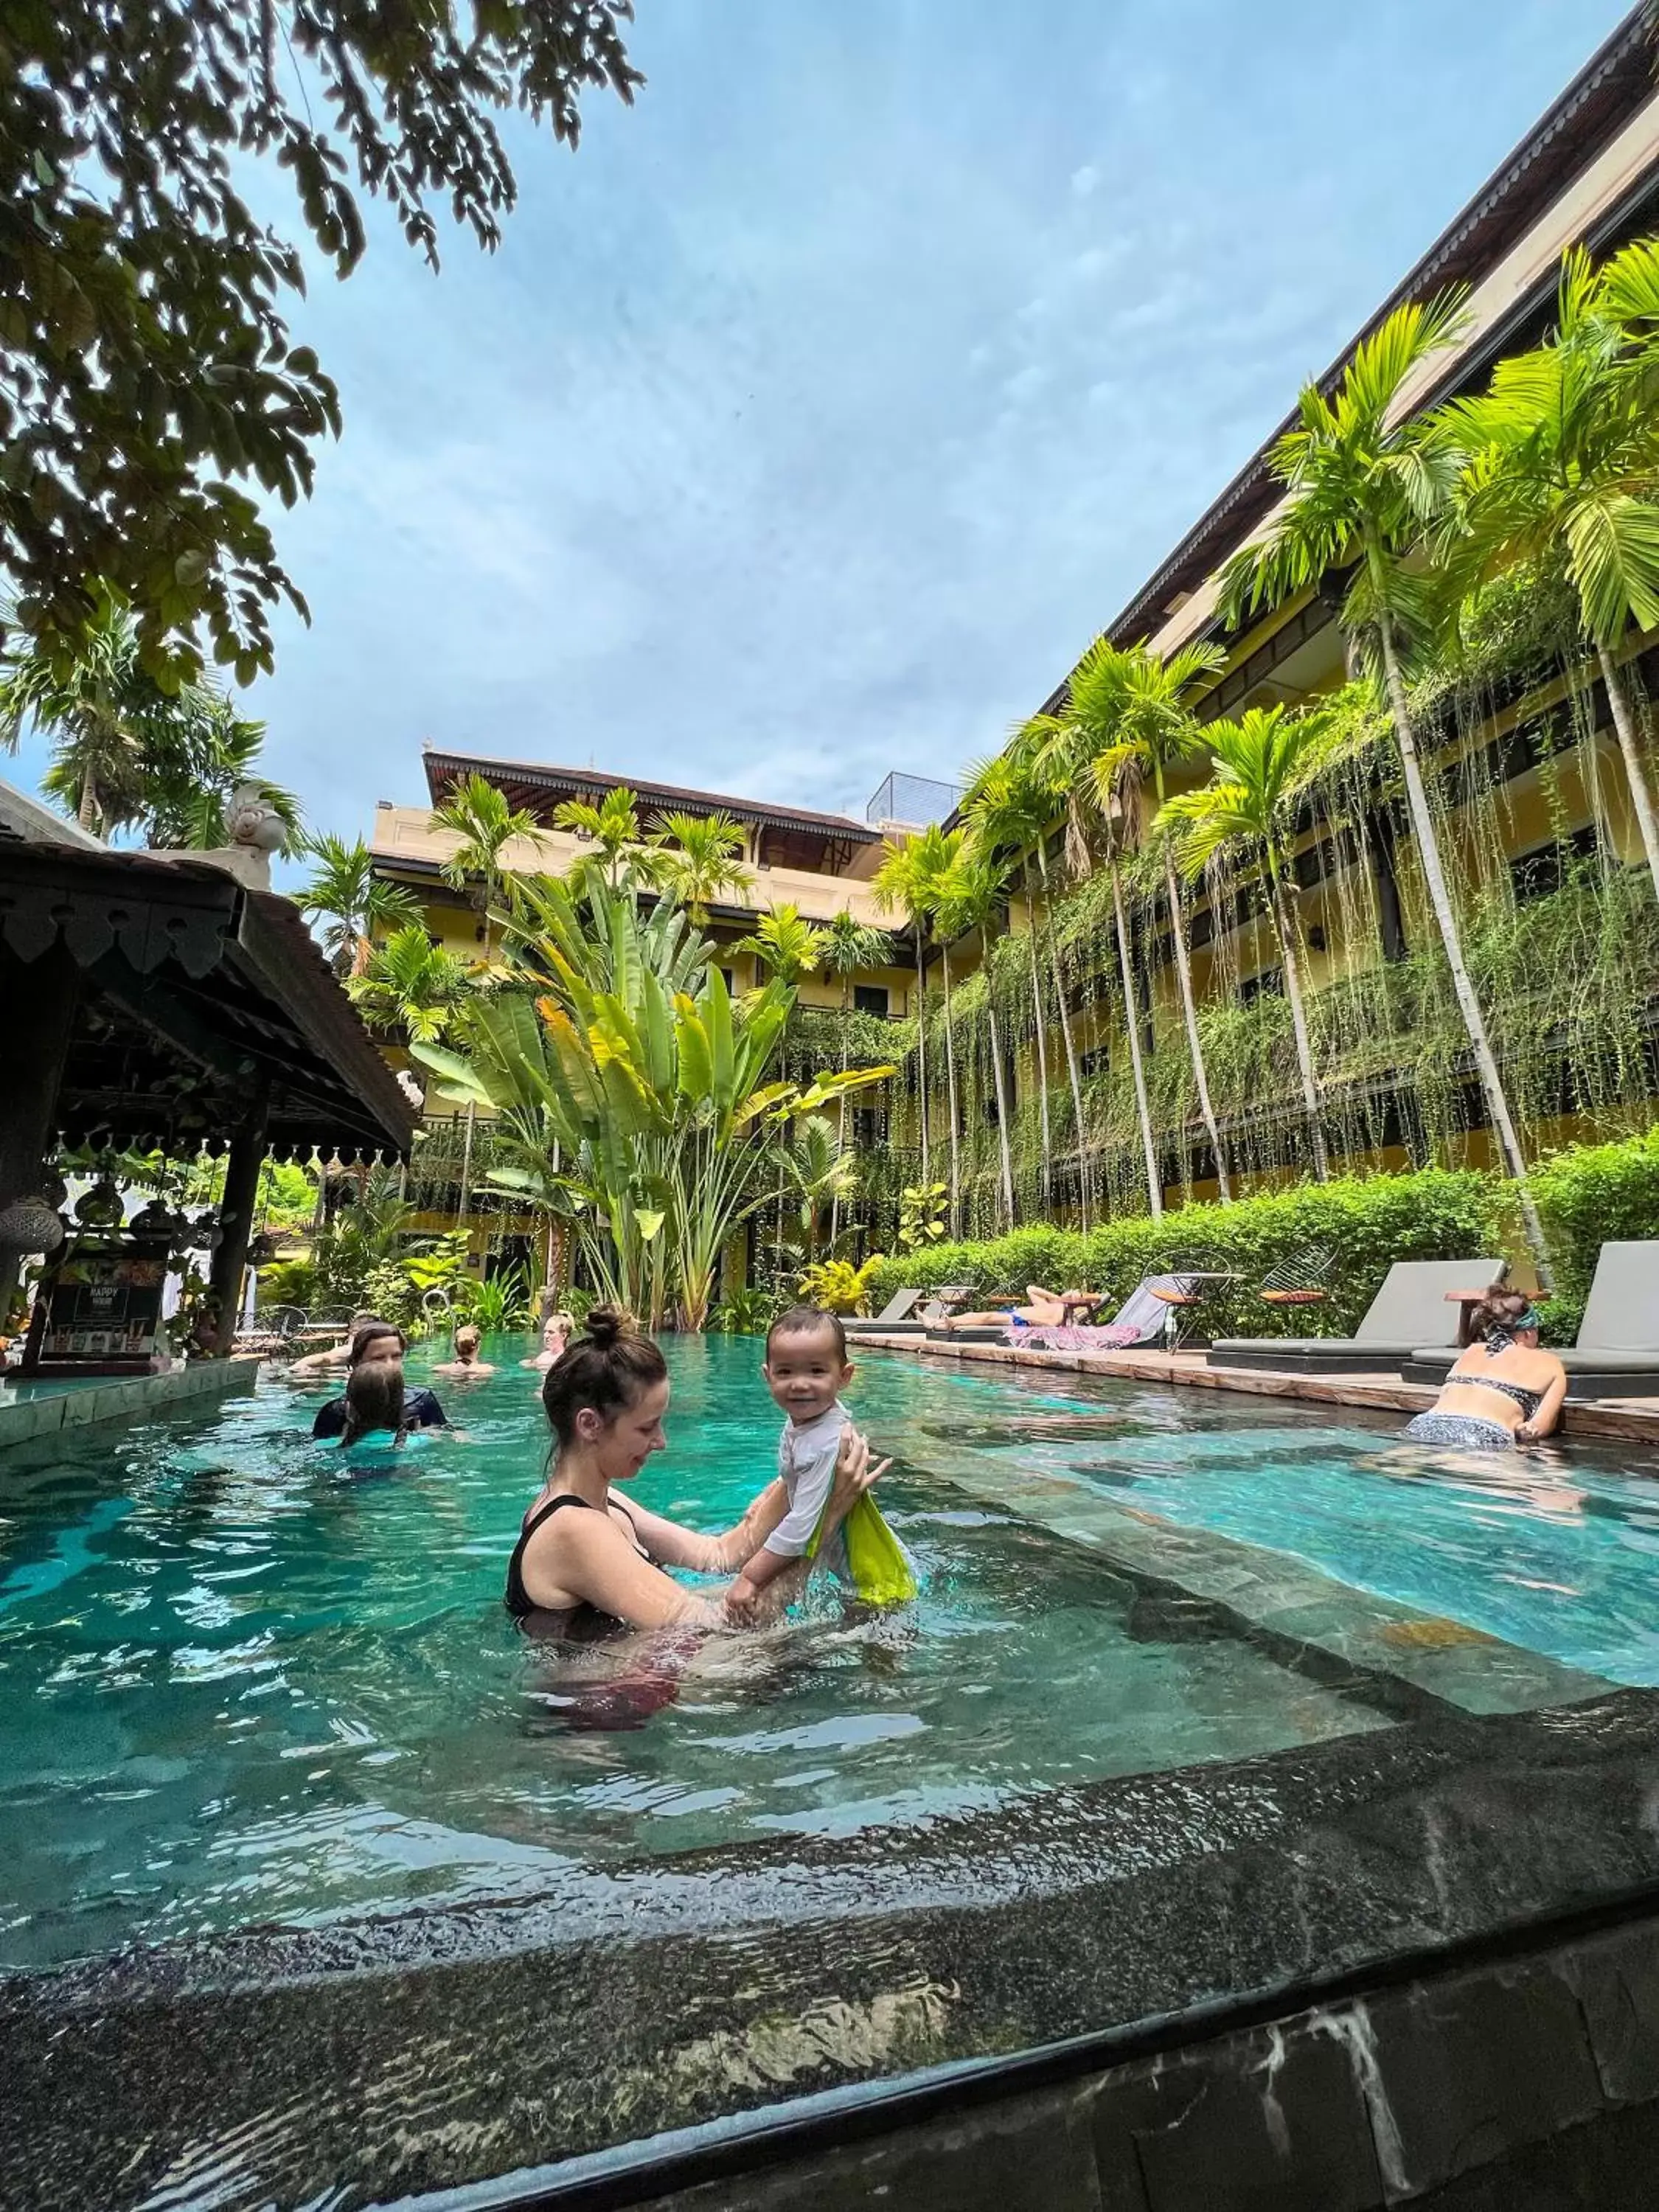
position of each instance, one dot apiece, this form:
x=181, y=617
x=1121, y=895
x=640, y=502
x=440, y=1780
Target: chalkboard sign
x=100, y=1312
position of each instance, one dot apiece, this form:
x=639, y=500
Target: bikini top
x=519, y=1603
x=1527, y=1400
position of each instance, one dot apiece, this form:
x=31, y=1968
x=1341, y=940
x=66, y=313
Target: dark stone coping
x=358, y=2063
x=44, y=1415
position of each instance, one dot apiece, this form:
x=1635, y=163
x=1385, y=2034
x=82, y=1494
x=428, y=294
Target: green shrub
x=1587, y=1196
x=1372, y=1221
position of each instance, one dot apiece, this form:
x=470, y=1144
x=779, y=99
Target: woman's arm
x=712, y=1555
x=1547, y=1417
x=589, y=1561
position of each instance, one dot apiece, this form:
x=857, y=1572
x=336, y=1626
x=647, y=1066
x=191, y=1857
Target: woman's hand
x=1527, y=1434
x=856, y=1471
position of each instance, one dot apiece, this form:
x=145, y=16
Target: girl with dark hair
x=374, y=1402
x=1505, y=1389
x=582, y=1553
x=378, y=1344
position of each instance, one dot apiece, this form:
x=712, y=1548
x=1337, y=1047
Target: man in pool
x=806, y=1368
x=378, y=1345
x=338, y=1355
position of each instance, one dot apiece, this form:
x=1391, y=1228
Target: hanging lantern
x=30, y=1225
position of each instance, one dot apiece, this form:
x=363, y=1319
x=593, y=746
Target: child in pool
x=806, y=1369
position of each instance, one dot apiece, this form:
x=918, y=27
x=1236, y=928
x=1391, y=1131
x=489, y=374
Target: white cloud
x=1084, y=181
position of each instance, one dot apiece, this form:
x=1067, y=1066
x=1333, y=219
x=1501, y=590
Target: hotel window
x=871, y=998
x=1253, y=987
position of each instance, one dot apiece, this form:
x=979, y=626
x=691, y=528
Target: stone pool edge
x=38, y=1419
x=442, y=2051
x=1637, y=1423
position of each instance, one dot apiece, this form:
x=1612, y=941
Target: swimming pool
x=241, y=1682
x=321, y=1885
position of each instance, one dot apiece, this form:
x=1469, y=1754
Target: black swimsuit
x=519, y=1603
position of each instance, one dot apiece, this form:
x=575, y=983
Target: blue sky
x=820, y=408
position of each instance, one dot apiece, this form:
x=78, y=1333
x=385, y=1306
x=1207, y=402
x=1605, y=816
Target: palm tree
x=477, y=814
x=848, y=946
x=785, y=944
x=191, y=772
x=613, y=829
x=1564, y=471
x=700, y=860
x=902, y=886
x=1260, y=764
x=1058, y=749
x=1139, y=709
x=351, y=901
x=409, y=985
x=969, y=892
x=124, y=751
x=933, y=856
x=1006, y=815
x=1365, y=480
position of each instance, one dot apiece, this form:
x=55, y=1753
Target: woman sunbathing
x=1044, y=1309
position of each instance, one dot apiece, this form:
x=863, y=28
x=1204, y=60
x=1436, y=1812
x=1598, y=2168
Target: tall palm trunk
x=1004, y=1154
x=841, y=1118
x=1491, y=1085
x=85, y=812
x=1131, y=1024
x=1623, y=721
x=950, y=1097
x=1040, y=1018
x=1070, y=1049
x=921, y=1051
x=1286, y=933
x=1189, y=1014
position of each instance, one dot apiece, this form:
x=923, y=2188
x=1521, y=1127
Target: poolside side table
x=1183, y=1302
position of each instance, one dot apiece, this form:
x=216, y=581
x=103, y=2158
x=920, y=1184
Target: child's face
x=805, y=1374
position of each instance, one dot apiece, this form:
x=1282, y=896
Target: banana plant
x=631, y=1090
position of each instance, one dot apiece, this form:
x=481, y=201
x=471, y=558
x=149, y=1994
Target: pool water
x=1555, y=1549
x=243, y=1681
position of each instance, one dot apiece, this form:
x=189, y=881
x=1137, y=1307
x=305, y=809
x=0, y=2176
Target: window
x=728, y=977
x=1270, y=980
x=1097, y=1062
x=871, y=998
x=867, y=1133
x=1536, y=874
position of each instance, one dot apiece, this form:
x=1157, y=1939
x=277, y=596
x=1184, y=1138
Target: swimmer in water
x=466, y=1366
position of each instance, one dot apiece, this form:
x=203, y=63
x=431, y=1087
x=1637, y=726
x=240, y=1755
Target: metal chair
x=1303, y=1279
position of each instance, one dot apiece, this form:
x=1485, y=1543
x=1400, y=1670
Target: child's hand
x=742, y=1603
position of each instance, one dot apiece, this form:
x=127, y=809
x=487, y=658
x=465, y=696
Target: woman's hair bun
x=607, y=1325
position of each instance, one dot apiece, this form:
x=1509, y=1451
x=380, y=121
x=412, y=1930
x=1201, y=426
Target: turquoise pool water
x=1557, y=1549
x=241, y=1682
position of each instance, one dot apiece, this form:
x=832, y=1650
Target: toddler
x=806, y=1369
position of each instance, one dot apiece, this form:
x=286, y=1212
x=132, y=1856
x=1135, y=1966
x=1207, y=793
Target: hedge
x=1585, y=1194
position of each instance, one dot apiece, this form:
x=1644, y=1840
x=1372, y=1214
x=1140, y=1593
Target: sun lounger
x=1617, y=1354
x=1410, y=1310
x=898, y=1308
x=1143, y=1320
x=940, y=1304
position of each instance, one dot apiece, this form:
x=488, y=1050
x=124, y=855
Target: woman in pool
x=1044, y=1309
x=582, y=1554
x=466, y=1366
x=557, y=1331
x=380, y=1344
x=1505, y=1389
